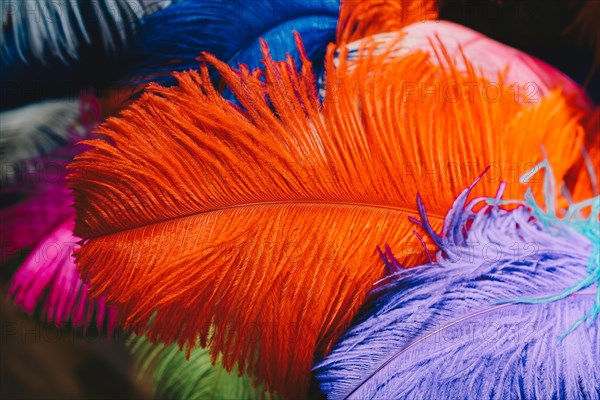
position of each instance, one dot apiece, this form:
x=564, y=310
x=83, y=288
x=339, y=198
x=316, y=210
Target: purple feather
x=446, y=329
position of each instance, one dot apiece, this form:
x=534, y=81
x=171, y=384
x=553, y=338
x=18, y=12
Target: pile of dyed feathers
x=303, y=199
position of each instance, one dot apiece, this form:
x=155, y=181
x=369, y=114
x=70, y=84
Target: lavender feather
x=509, y=310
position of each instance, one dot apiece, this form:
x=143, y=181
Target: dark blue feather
x=150, y=44
x=173, y=38
x=509, y=311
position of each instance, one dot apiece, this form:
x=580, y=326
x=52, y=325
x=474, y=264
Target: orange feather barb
x=253, y=228
x=360, y=18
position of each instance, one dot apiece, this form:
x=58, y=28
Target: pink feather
x=533, y=77
x=49, y=274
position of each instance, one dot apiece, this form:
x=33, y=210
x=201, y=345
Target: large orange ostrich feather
x=253, y=229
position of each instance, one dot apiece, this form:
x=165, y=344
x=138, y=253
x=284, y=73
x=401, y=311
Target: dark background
x=38, y=361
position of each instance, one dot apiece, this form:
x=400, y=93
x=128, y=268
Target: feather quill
x=509, y=310
x=267, y=214
x=176, y=377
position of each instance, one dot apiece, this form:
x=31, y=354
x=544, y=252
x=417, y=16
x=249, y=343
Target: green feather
x=175, y=377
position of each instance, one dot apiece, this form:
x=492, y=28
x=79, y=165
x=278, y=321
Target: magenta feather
x=37, y=204
x=35, y=196
x=41, y=217
x=49, y=275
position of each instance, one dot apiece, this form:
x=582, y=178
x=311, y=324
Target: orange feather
x=254, y=229
x=359, y=18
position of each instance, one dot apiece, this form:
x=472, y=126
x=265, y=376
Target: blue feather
x=165, y=36
x=173, y=38
x=466, y=327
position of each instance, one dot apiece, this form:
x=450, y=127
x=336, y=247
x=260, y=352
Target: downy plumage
x=49, y=277
x=173, y=38
x=35, y=151
x=176, y=377
x=225, y=223
x=32, y=131
x=510, y=309
x=528, y=78
x=38, y=214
